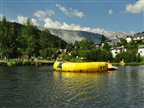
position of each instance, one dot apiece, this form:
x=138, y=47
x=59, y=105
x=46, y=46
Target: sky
x=87, y=15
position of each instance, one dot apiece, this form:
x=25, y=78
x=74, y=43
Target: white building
x=138, y=36
x=128, y=38
x=135, y=37
x=141, y=50
x=62, y=50
x=117, y=50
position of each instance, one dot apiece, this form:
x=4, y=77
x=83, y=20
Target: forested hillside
x=17, y=40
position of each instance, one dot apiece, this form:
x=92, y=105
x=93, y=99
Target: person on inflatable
x=122, y=62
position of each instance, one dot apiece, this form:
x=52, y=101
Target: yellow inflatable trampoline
x=80, y=66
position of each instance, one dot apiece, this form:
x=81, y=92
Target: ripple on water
x=41, y=87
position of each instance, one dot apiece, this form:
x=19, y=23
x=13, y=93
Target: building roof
x=113, y=41
x=141, y=46
x=139, y=34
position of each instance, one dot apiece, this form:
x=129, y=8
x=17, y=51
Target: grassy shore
x=25, y=62
x=30, y=62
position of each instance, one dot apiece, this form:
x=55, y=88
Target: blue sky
x=89, y=15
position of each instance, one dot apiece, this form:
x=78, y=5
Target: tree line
x=17, y=40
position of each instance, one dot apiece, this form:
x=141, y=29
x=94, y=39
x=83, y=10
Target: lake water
x=41, y=87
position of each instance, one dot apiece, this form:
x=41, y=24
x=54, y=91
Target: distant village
x=116, y=50
x=129, y=38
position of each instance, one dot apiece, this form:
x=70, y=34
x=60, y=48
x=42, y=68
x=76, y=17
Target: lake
x=41, y=87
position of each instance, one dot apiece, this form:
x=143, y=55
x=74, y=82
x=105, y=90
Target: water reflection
x=24, y=87
x=127, y=85
x=81, y=87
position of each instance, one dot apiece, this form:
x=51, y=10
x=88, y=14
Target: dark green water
x=41, y=87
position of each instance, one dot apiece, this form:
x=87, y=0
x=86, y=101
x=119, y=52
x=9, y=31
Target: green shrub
x=26, y=62
x=18, y=63
x=9, y=63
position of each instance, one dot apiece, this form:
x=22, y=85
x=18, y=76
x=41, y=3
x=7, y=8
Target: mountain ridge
x=71, y=36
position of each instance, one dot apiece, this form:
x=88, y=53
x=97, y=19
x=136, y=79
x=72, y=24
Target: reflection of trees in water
x=80, y=87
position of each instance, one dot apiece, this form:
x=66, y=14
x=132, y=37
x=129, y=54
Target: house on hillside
x=97, y=44
x=128, y=38
x=141, y=50
x=113, y=42
x=117, y=50
x=62, y=50
x=135, y=37
x=138, y=36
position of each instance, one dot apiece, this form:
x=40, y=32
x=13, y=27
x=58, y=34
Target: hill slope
x=71, y=36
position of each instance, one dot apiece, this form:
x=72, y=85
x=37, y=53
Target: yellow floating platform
x=80, y=66
x=111, y=67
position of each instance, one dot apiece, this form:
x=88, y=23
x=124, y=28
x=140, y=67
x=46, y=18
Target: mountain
x=111, y=34
x=71, y=36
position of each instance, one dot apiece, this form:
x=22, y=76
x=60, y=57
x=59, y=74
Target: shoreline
x=49, y=62
x=128, y=64
x=26, y=63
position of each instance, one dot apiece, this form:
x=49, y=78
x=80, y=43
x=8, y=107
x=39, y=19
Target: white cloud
x=63, y=9
x=65, y=26
x=110, y=11
x=135, y=8
x=34, y=21
x=132, y=32
x=77, y=13
x=40, y=15
x=1, y=15
x=70, y=27
x=21, y=19
x=50, y=12
x=57, y=25
x=51, y=24
x=72, y=13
